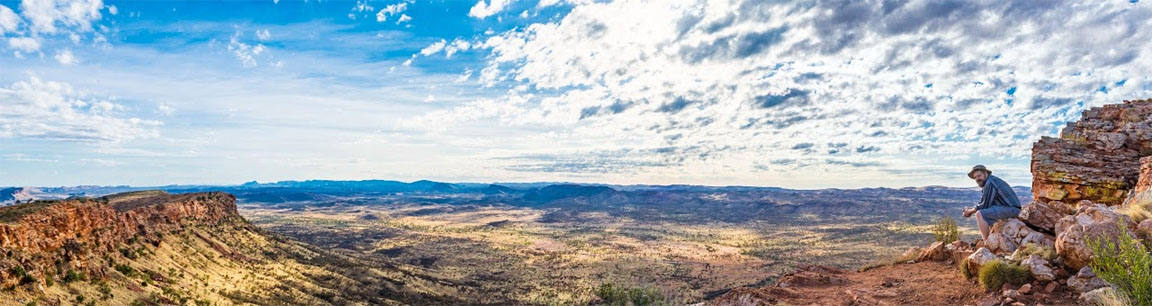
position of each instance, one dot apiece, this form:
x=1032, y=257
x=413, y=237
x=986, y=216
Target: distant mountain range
x=513, y=193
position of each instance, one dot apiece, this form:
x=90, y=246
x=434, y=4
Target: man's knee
x=979, y=217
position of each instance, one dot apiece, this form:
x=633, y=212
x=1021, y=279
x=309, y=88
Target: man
x=997, y=202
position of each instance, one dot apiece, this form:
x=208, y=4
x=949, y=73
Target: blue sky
x=802, y=94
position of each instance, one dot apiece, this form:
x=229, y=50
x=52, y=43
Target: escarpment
x=104, y=222
x=46, y=237
x=155, y=248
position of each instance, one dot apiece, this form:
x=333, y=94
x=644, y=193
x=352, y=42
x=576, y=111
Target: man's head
x=980, y=174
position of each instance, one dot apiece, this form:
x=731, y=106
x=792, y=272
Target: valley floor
x=501, y=254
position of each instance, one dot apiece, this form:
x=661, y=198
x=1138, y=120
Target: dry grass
x=520, y=255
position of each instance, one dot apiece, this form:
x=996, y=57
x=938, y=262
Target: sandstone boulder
x=1041, y=216
x=1145, y=229
x=1041, y=269
x=1062, y=207
x=979, y=258
x=935, y=252
x=1085, y=281
x=1009, y=234
x=1091, y=222
x=1099, y=296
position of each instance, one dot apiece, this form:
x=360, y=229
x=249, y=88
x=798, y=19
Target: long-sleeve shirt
x=997, y=192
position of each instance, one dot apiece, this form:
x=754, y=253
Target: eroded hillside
x=148, y=248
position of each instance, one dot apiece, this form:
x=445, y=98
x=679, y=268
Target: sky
x=797, y=94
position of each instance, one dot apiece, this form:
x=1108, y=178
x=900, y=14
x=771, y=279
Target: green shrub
x=964, y=269
x=72, y=276
x=28, y=279
x=945, y=230
x=1124, y=263
x=126, y=270
x=621, y=296
x=996, y=273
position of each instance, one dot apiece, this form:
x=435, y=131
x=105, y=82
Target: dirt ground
x=925, y=283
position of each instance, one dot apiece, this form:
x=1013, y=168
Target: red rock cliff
x=106, y=221
x=1096, y=158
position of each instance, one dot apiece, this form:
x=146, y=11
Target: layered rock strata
x=1096, y=158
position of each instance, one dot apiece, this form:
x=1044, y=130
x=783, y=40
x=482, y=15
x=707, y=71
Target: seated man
x=997, y=202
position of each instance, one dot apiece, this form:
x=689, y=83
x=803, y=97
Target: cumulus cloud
x=403, y=18
x=896, y=82
x=393, y=9
x=8, y=20
x=49, y=16
x=25, y=44
x=485, y=8
x=55, y=111
x=65, y=57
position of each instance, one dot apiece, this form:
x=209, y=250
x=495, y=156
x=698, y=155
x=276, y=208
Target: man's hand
x=968, y=212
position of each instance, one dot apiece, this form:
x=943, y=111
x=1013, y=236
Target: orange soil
x=925, y=283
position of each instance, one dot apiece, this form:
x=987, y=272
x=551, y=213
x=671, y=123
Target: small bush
x=126, y=270
x=28, y=279
x=1139, y=208
x=996, y=273
x=964, y=269
x=1124, y=263
x=72, y=276
x=1028, y=249
x=945, y=230
x=1106, y=297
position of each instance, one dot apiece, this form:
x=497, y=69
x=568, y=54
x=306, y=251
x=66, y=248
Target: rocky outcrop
x=103, y=222
x=1008, y=234
x=1085, y=281
x=979, y=258
x=1041, y=216
x=68, y=234
x=1040, y=268
x=936, y=252
x=1090, y=222
x=1096, y=158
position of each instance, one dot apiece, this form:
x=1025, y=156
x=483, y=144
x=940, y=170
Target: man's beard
x=981, y=182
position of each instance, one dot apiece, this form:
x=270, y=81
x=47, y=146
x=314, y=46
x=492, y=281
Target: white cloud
x=113, y=10
x=165, y=110
x=244, y=52
x=484, y=9
x=9, y=21
x=872, y=88
x=403, y=18
x=392, y=9
x=434, y=48
x=26, y=44
x=47, y=16
x=55, y=111
x=65, y=57
x=263, y=34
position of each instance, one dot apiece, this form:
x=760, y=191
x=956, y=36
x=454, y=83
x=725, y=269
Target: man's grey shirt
x=997, y=192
